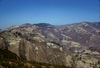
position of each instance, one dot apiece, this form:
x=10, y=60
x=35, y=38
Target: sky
x=55, y=12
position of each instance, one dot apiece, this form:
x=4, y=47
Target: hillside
x=73, y=45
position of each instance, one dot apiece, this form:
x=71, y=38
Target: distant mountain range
x=74, y=45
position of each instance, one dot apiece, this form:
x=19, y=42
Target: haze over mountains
x=74, y=45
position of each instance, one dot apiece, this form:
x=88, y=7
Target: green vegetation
x=28, y=64
x=11, y=60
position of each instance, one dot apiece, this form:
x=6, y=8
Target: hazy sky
x=56, y=12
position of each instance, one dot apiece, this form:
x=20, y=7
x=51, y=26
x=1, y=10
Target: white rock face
x=61, y=49
x=36, y=48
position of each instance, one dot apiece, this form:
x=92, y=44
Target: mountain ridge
x=74, y=45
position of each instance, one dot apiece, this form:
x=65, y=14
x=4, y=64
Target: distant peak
x=27, y=24
x=86, y=22
x=43, y=24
